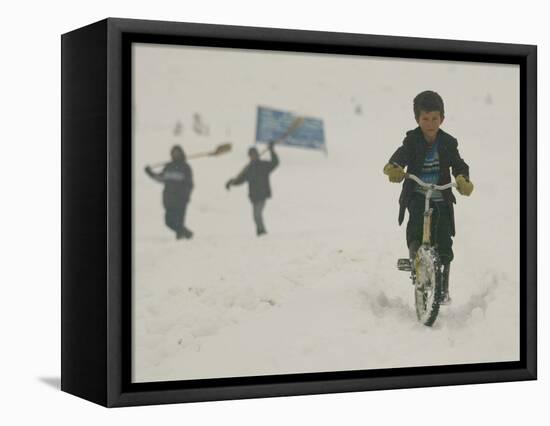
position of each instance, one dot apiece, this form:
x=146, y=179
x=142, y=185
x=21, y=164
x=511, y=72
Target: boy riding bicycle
x=428, y=152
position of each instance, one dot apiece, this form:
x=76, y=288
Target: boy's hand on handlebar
x=463, y=185
x=394, y=172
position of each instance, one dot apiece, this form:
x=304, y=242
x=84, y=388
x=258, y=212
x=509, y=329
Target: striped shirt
x=430, y=172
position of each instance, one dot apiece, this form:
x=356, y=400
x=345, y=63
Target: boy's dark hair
x=179, y=149
x=428, y=101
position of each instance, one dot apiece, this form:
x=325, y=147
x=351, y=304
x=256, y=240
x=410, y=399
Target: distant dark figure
x=256, y=173
x=178, y=129
x=199, y=127
x=178, y=185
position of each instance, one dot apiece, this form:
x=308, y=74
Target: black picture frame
x=96, y=229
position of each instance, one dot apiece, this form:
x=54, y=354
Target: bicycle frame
x=430, y=187
x=425, y=265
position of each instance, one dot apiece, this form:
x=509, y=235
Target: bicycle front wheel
x=427, y=285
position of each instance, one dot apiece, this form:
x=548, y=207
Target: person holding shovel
x=256, y=173
x=177, y=178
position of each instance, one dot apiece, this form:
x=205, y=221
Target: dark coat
x=178, y=184
x=412, y=154
x=256, y=173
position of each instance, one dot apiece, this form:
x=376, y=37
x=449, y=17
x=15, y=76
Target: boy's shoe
x=445, y=299
x=184, y=233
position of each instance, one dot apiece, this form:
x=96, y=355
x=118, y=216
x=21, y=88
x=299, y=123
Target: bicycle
x=426, y=270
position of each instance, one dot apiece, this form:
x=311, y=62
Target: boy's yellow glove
x=394, y=172
x=464, y=186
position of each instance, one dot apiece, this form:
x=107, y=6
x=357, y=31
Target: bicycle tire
x=427, y=285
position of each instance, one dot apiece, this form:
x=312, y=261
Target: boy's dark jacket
x=412, y=154
x=178, y=183
x=256, y=173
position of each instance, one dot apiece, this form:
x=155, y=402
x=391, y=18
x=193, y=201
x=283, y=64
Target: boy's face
x=429, y=122
x=253, y=155
x=176, y=155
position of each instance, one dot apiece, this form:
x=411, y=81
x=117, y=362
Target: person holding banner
x=177, y=178
x=256, y=173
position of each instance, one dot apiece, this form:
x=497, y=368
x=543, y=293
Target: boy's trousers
x=174, y=218
x=441, y=226
x=257, y=210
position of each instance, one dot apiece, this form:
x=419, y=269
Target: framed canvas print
x=253, y=212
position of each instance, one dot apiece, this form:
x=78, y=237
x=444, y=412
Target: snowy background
x=320, y=292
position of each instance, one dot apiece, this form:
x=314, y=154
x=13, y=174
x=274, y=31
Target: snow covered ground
x=320, y=292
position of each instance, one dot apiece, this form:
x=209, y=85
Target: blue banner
x=271, y=125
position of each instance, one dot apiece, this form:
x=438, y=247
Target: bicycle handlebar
x=430, y=185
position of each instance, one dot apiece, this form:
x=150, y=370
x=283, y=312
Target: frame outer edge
x=114, y=211
x=531, y=191
x=83, y=209
x=316, y=36
x=116, y=396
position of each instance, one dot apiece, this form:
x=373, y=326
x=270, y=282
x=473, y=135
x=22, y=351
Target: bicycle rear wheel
x=427, y=285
